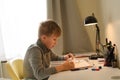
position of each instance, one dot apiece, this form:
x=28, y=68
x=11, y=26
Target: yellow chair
x=15, y=69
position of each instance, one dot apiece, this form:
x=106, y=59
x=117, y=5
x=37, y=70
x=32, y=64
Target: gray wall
x=74, y=38
x=86, y=8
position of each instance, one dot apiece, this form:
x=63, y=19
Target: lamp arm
x=98, y=42
x=98, y=32
x=97, y=39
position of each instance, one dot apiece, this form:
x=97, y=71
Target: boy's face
x=49, y=41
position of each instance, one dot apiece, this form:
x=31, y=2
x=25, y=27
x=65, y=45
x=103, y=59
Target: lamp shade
x=90, y=20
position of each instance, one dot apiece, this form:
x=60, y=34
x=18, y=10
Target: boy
x=38, y=56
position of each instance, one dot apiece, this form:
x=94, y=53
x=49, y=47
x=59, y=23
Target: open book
x=79, y=63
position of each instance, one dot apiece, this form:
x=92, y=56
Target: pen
x=106, y=41
x=75, y=69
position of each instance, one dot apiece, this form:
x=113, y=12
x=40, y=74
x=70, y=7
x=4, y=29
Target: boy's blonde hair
x=48, y=28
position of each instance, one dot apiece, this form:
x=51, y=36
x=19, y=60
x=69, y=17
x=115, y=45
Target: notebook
x=82, y=63
x=79, y=63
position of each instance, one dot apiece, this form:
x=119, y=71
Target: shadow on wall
x=75, y=36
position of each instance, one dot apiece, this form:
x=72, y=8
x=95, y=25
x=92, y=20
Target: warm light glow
x=112, y=31
x=90, y=24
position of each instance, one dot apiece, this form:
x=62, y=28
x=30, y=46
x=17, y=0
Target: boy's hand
x=69, y=55
x=67, y=65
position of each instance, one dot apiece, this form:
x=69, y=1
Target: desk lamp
x=91, y=20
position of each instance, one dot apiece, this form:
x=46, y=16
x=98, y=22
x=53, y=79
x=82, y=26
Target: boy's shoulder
x=34, y=46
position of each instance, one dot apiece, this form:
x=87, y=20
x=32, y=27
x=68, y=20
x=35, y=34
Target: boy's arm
x=36, y=62
x=55, y=57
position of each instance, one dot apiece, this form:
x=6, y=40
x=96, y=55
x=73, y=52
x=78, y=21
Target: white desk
x=106, y=73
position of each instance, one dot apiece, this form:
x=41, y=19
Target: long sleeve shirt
x=37, y=62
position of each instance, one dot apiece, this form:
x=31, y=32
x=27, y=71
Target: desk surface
x=106, y=73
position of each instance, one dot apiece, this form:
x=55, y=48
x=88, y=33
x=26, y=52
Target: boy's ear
x=43, y=37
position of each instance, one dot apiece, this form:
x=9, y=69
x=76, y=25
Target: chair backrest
x=15, y=69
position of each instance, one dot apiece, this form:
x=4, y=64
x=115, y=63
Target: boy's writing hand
x=67, y=65
x=69, y=55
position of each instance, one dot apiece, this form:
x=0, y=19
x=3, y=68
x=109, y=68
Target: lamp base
x=95, y=56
